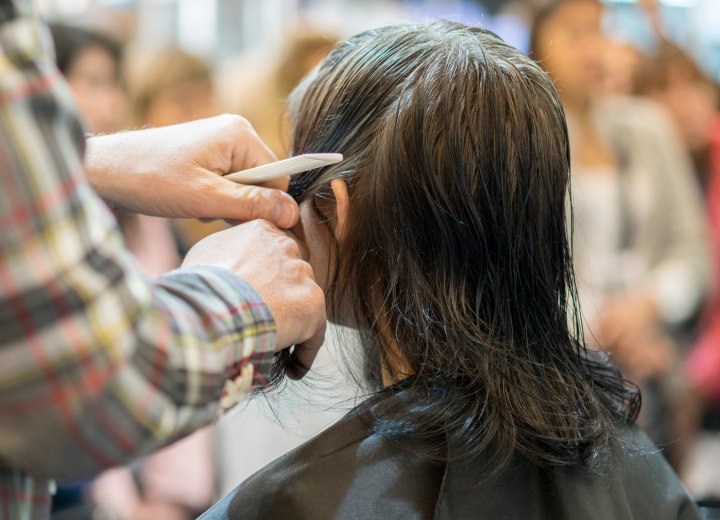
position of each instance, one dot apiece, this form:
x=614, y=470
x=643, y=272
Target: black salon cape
x=348, y=473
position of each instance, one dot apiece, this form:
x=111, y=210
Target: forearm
x=97, y=364
x=145, y=376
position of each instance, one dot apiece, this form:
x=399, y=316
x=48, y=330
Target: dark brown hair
x=456, y=264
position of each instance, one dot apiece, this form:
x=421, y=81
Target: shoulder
x=345, y=472
x=632, y=480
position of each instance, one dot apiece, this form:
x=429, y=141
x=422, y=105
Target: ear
x=342, y=207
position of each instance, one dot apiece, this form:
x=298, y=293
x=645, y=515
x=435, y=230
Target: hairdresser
x=98, y=364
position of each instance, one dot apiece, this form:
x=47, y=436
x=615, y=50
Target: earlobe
x=342, y=206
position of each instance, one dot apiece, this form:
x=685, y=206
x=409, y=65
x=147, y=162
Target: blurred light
x=197, y=20
x=118, y=3
x=71, y=8
x=670, y=3
x=679, y=3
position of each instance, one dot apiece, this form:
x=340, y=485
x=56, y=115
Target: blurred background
x=639, y=84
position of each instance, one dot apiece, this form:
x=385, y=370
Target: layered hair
x=455, y=265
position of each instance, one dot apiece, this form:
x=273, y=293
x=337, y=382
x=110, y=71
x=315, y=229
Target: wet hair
x=70, y=42
x=455, y=265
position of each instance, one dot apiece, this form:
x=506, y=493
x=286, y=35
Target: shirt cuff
x=253, y=353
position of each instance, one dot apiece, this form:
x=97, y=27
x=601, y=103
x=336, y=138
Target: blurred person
x=92, y=63
x=177, y=482
x=442, y=239
x=670, y=77
x=169, y=86
x=640, y=243
x=261, y=96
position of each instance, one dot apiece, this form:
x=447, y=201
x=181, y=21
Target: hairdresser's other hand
x=270, y=260
x=176, y=171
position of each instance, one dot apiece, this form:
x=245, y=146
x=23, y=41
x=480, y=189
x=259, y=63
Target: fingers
x=237, y=202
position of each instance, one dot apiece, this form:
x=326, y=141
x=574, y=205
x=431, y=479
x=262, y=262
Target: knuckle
x=261, y=201
x=236, y=123
x=260, y=226
x=308, y=270
x=289, y=246
x=234, y=119
x=253, y=203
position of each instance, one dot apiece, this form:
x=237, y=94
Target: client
x=442, y=238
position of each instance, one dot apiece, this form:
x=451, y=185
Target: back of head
x=456, y=266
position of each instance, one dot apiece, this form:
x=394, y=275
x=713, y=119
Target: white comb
x=291, y=166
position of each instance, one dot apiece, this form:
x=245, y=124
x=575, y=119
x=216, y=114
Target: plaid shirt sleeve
x=97, y=363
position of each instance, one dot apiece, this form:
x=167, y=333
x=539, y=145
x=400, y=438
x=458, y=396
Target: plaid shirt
x=97, y=364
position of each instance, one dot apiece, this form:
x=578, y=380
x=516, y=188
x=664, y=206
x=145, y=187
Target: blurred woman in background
x=262, y=95
x=671, y=77
x=640, y=242
x=169, y=86
x=92, y=63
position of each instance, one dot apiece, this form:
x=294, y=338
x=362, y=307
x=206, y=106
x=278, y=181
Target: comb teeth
x=291, y=166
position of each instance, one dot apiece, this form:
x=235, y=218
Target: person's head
x=567, y=39
x=90, y=61
x=442, y=238
x=171, y=86
x=671, y=77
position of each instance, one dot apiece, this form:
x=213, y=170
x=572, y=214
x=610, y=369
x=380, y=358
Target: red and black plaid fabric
x=97, y=363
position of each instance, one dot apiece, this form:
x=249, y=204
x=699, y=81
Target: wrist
x=108, y=166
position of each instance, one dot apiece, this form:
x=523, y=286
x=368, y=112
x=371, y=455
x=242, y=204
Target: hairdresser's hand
x=175, y=171
x=270, y=260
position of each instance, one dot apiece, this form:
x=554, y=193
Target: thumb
x=233, y=201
